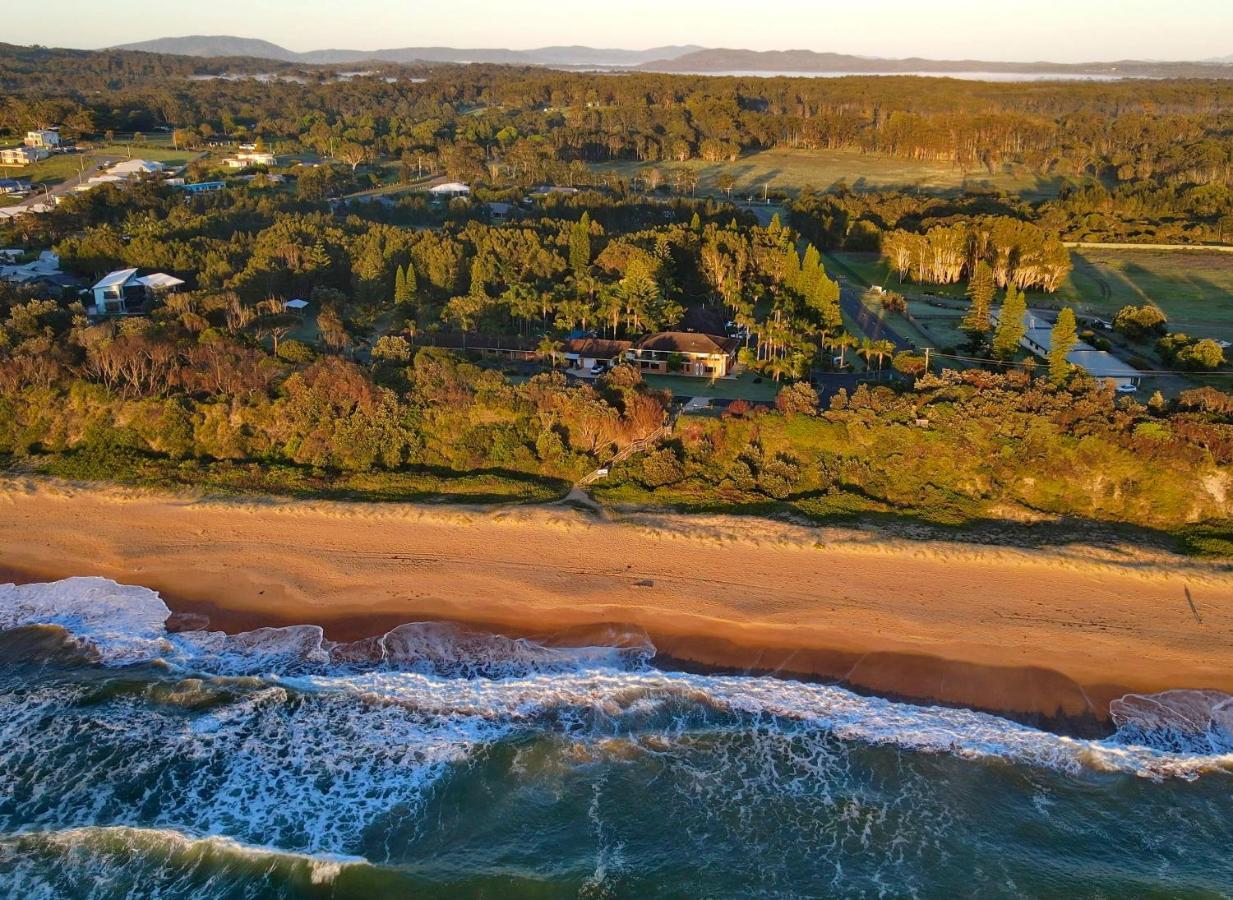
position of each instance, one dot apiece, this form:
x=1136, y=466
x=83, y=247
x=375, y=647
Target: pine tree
x=791, y=268
x=811, y=271
x=1061, y=341
x=1011, y=328
x=413, y=285
x=400, y=285
x=980, y=291
x=776, y=226
x=695, y=224
x=580, y=245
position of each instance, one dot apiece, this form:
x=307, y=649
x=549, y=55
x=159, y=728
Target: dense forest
x=1168, y=132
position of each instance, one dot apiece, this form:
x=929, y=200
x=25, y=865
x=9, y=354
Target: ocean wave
x=1186, y=721
x=126, y=624
x=110, y=856
x=482, y=686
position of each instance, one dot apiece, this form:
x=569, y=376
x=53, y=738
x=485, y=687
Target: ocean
x=439, y=762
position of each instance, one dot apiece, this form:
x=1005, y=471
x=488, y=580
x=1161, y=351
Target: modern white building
x=124, y=293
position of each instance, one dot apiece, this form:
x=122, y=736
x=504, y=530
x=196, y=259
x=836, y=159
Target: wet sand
x=1053, y=633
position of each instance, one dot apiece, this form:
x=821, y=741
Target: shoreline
x=1049, y=637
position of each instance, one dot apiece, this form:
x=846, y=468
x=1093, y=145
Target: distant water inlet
x=435, y=761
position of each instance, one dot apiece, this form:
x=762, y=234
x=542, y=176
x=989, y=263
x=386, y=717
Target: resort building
x=685, y=353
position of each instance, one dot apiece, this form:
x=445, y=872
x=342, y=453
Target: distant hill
x=214, y=45
x=684, y=58
x=224, y=45
x=732, y=60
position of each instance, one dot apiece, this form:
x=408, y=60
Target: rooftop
x=115, y=279
x=688, y=342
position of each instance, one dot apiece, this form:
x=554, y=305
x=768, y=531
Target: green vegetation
x=787, y=171
x=67, y=167
x=222, y=388
x=225, y=478
x=961, y=450
x=1192, y=288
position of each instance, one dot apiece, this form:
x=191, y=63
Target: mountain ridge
x=561, y=55
x=686, y=58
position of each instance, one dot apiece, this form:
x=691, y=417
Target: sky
x=1057, y=30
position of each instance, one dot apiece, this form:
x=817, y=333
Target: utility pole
x=928, y=350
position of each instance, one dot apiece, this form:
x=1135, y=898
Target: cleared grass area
x=744, y=387
x=788, y=171
x=62, y=167
x=1194, y=289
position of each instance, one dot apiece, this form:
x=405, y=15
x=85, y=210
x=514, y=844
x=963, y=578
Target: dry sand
x=1048, y=633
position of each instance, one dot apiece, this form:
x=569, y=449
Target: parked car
x=1127, y=388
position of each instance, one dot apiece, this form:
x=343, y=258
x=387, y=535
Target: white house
x=46, y=138
x=124, y=293
x=246, y=158
x=1038, y=338
x=48, y=263
x=450, y=189
x=22, y=156
x=134, y=168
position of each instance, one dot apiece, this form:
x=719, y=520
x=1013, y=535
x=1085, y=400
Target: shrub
x=1140, y=322
x=294, y=351
x=799, y=399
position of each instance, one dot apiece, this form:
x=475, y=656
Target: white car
x=1127, y=388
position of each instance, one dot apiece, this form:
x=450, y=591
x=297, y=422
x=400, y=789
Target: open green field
x=61, y=167
x=1193, y=288
x=787, y=171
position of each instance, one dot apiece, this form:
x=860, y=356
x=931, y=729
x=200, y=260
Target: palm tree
x=844, y=342
x=549, y=348
x=883, y=349
x=865, y=350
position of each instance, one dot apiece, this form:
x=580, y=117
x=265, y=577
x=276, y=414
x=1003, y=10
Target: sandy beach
x=1036, y=633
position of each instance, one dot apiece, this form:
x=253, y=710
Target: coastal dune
x=1051, y=634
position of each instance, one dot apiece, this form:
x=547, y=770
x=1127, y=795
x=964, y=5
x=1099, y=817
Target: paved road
x=870, y=324
x=40, y=193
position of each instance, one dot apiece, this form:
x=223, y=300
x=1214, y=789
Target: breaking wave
x=126, y=624
x=94, y=862
x=437, y=692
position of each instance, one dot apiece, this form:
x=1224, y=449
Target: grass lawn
x=1194, y=289
x=743, y=387
x=61, y=167
x=787, y=171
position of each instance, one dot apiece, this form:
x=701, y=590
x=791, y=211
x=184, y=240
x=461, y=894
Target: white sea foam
x=416, y=691
x=123, y=623
x=101, y=851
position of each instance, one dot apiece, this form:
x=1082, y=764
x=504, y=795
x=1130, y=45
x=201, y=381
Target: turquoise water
x=434, y=762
